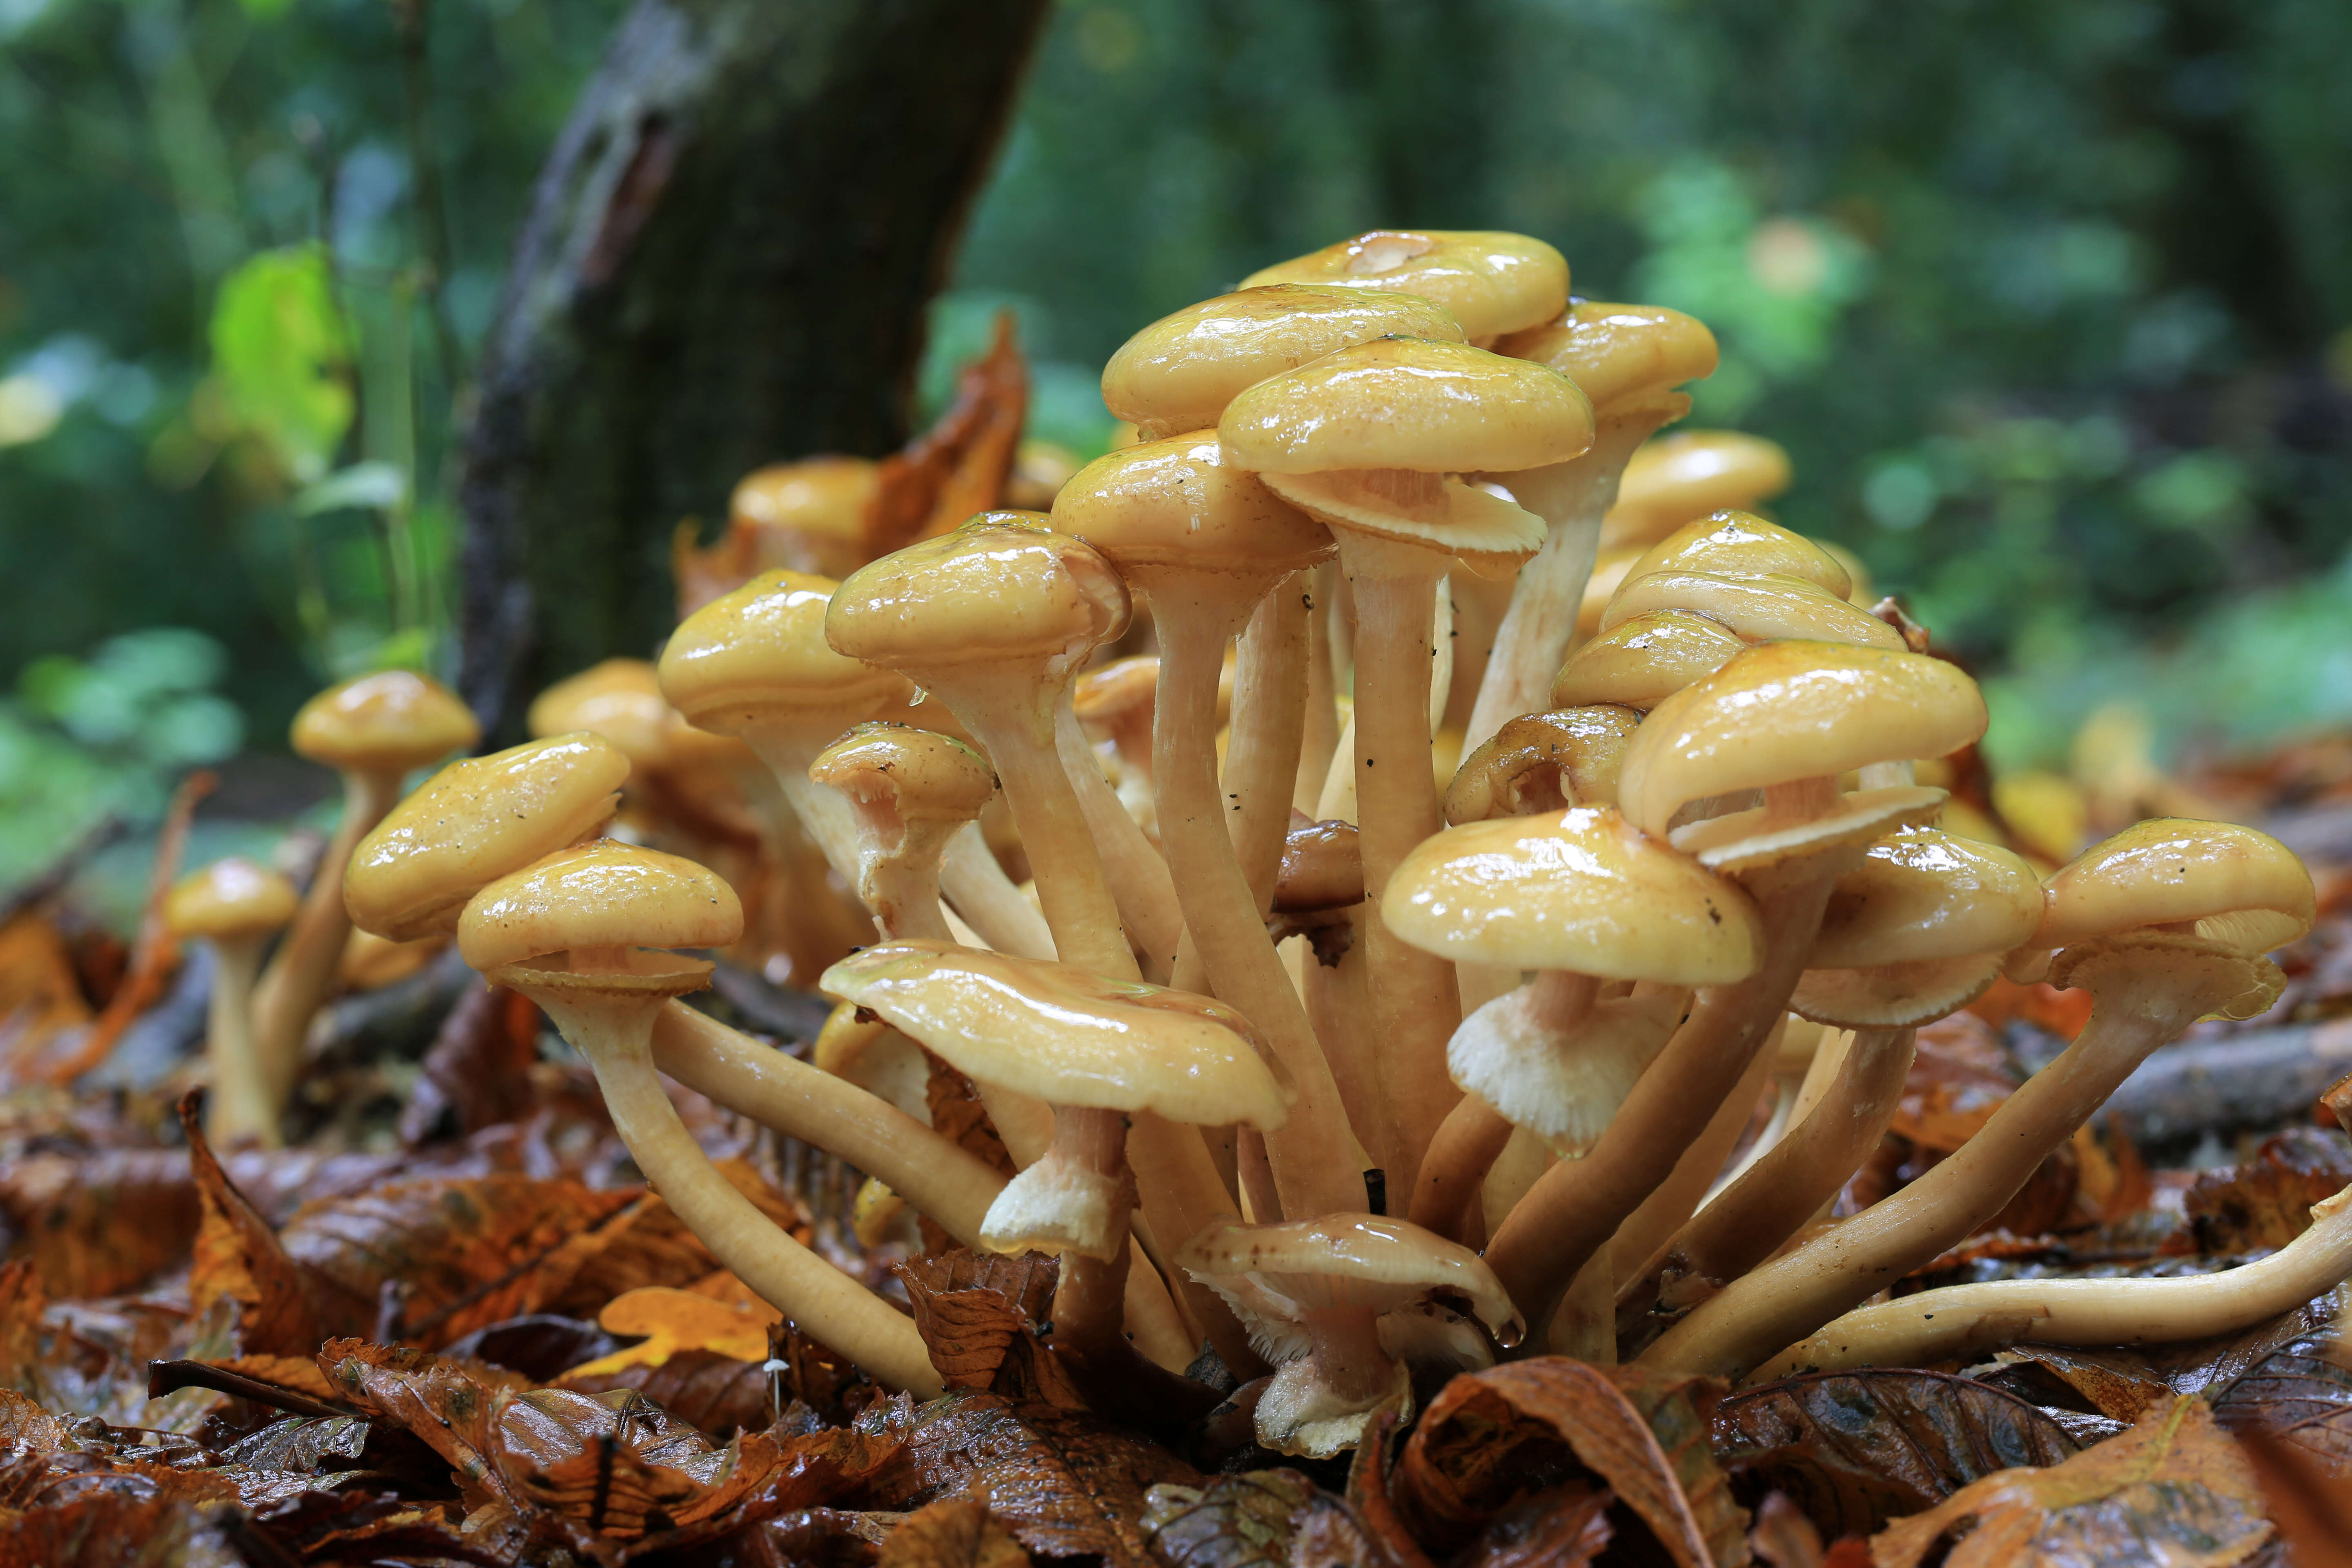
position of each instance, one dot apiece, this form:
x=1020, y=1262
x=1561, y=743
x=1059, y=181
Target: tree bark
x=725, y=265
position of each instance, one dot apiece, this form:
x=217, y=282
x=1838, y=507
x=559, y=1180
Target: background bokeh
x=2050, y=304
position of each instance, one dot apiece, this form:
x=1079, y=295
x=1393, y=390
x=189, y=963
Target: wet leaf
x=2301, y=1394
x=1276, y=1518
x=1782, y=1536
x=40, y=993
x=1854, y=1450
x=647, y=1244
x=2173, y=1489
x=540, y=1346
x=101, y=1221
x=2308, y=1502
x=1566, y=1527
x=478, y=1066
x=1493, y=1438
x=979, y=1316
x=2264, y=1204
x=1063, y=1481
x=112, y=1530
x=1369, y=1476
x=1959, y=1076
x=666, y=1321
x=2123, y=1384
x=717, y=1393
x=283, y=1309
x=954, y=1532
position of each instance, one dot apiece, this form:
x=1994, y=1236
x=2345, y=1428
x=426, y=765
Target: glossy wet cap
x=1623, y=357
x=605, y=894
x=1645, y=659
x=1178, y=373
x=2231, y=885
x=1580, y=889
x=1179, y=503
x=1322, y=867
x=1741, y=544
x=1067, y=1036
x=1689, y=474
x=1787, y=711
x=473, y=821
x=620, y=699
x=808, y=516
x=763, y=649
x=1408, y=402
x=1492, y=282
x=1352, y=1260
x=918, y=774
x=1003, y=588
x=1543, y=761
x=1922, y=894
x=390, y=721
x=230, y=898
x=1759, y=609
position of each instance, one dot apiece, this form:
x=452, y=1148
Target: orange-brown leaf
x=715, y=1393
x=1487, y=1439
x=96, y=1223
x=2264, y=1204
x=953, y=1533
x=282, y=1309
x=2174, y=1488
x=978, y=1314
x=1275, y=1518
x=2310, y=1506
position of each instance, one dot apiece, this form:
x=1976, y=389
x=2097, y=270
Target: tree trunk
x=725, y=264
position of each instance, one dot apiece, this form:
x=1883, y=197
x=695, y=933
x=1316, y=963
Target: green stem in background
x=414, y=18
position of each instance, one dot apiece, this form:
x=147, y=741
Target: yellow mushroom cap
x=620, y=699
x=1759, y=609
x=1621, y=355
x=922, y=775
x=230, y=898
x=1408, y=402
x=473, y=821
x=1000, y=587
x=1581, y=890
x=1921, y=894
x=1644, y=659
x=1689, y=474
x=390, y=721
x=1542, y=761
x=1066, y=1035
x=1123, y=688
x=2233, y=885
x=1352, y=1260
x=605, y=894
x=1179, y=372
x=1786, y=711
x=763, y=647
x=1181, y=504
x=1492, y=282
x=1741, y=544
x=808, y=515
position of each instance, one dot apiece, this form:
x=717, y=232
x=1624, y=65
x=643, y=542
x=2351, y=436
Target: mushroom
x=1689, y=474
x=1914, y=932
x=585, y=934
x=754, y=663
x=1364, y=440
x=1627, y=359
x=1115, y=702
x=374, y=731
x=234, y=906
x=1099, y=1051
x=1786, y=719
x=806, y=516
x=2163, y=924
x=1491, y=282
x=1756, y=609
x=1732, y=544
x=1544, y=762
x=1203, y=542
x=1585, y=899
x=1645, y=659
x=1341, y=1301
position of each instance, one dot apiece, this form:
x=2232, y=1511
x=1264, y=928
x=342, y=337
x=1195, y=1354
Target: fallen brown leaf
x=2174, y=1489
x=1493, y=1438
x=1782, y=1536
x=95, y=1223
x=1276, y=1518
x=478, y=1066
x=2265, y=1202
x=2310, y=1505
x=953, y=1533
x=111, y=1529
x=979, y=1315
x=2299, y=1395
x=40, y=991
x=715, y=1393
x=1566, y=1527
x=283, y=1309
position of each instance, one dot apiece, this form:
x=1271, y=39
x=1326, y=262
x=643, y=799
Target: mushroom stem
x=1970, y=1320
x=1132, y=869
x=1356, y=1367
x=1414, y=1006
x=2142, y=998
x=1665, y=1210
x=1339, y=1004
x=241, y=1106
x=1576, y=1208
x=1776, y=1196
x=1533, y=641
x=303, y=970
x=901, y=885
x=616, y=1034
x=787, y=748
x=980, y=892
x=1315, y=1165
x=1267, y=732
x=953, y=1187
x=1319, y=735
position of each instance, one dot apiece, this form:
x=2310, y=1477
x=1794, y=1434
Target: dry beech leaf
x=1854, y=1450
x=1493, y=1436
x=1065, y=1483
x=1566, y=1527
x=283, y=1309
x=2264, y=1204
x=2175, y=1490
x=647, y=1244
x=978, y=1314
x=953, y=1533
x=1369, y=1476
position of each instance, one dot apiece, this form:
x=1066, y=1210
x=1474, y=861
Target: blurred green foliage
x=2049, y=303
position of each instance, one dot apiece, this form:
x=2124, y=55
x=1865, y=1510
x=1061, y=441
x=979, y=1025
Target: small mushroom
x=1340, y=1302
x=1491, y=282
x=1757, y=609
x=1628, y=359
x=910, y=792
x=586, y=933
x=1645, y=659
x=1741, y=545
x=1543, y=761
x=235, y=906
x=1690, y=473
x=1115, y=702
x=374, y=731
x=806, y=516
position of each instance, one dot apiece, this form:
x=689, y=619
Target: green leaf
x=282, y=352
